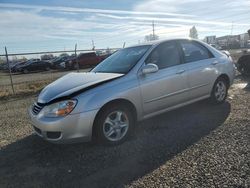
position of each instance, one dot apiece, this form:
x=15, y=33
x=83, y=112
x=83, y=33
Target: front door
x=167, y=87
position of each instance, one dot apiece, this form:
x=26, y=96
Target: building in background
x=229, y=41
x=210, y=39
x=244, y=40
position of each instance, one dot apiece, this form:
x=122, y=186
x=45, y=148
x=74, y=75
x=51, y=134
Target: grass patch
x=23, y=89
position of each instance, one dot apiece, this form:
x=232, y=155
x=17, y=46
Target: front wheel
x=25, y=71
x=219, y=92
x=114, y=124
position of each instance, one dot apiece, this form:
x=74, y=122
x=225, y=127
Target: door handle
x=180, y=71
x=215, y=63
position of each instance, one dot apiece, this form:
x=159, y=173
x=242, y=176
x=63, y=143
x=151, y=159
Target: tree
x=193, y=33
x=151, y=37
x=64, y=55
x=47, y=56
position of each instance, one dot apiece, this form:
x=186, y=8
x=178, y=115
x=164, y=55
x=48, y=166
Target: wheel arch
x=225, y=77
x=119, y=101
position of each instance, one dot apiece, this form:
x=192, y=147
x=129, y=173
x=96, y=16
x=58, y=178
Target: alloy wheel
x=220, y=91
x=116, y=126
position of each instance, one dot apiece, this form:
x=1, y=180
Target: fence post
x=77, y=63
x=8, y=63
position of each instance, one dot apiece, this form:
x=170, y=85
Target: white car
x=131, y=85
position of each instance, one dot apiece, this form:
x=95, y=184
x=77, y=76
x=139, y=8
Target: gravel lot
x=200, y=145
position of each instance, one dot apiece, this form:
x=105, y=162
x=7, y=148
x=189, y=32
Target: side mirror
x=149, y=68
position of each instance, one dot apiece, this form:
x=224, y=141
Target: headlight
x=58, y=109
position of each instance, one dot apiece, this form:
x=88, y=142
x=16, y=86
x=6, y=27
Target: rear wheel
x=25, y=71
x=114, y=124
x=76, y=66
x=219, y=92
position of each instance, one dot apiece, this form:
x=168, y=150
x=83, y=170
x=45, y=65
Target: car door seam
x=176, y=93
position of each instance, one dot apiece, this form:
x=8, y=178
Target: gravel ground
x=200, y=145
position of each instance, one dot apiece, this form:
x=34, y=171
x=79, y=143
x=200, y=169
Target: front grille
x=53, y=135
x=37, y=107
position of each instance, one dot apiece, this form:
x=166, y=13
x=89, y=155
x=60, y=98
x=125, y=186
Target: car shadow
x=32, y=162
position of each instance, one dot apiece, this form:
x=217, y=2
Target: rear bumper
x=69, y=129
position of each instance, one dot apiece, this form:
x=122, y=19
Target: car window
x=123, y=60
x=194, y=51
x=165, y=55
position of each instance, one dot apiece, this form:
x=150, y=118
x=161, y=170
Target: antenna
x=153, y=27
x=232, y=28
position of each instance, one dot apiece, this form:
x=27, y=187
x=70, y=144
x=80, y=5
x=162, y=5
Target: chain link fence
x=27, y=73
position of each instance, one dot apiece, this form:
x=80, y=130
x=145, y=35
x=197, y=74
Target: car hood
x=73, y=84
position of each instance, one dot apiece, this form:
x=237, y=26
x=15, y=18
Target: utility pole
x=8, y=63
x=93, y=45
x=77, y=63
x=231, y=33
x=232, y=28
x=153, y=27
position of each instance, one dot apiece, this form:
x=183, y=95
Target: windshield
x=122, y=61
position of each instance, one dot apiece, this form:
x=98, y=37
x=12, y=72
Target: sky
x=45, y=25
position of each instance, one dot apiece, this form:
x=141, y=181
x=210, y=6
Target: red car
x=85, y=60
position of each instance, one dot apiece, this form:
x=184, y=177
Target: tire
x=219, y=92
x=243, y=70
x=75, y=66
x=25, y=71
x=113, y=125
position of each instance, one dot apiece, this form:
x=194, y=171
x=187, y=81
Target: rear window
x=193, y=51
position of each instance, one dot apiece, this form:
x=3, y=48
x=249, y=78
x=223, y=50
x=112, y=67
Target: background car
x=57, y=63
x=33, y=65
x=243, y=65
x=14, y=66
x=85, y=60
x=3, y=66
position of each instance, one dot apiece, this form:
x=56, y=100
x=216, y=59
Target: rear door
x=168, y=86
x=201, y=70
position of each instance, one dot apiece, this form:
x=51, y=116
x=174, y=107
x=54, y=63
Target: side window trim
x=181, y=53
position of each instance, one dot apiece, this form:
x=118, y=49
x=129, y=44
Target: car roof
x=156, y=42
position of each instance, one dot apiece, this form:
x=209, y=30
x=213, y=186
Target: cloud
x=21, y=28
x=88, y=10
x=52, y=27
x=163, y=5
x=175, y=20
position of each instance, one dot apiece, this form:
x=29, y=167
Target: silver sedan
x=131, y=85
